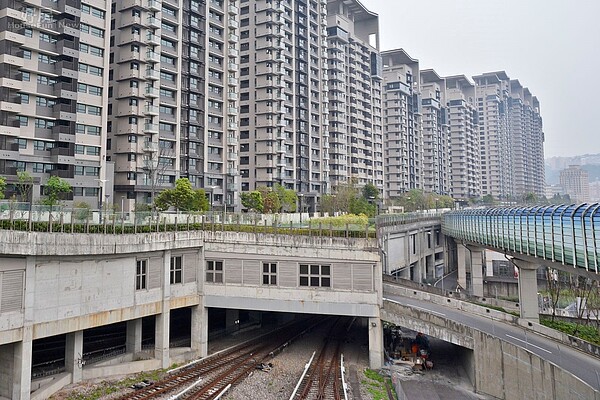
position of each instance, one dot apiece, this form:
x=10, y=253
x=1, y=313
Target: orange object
x=415, y=349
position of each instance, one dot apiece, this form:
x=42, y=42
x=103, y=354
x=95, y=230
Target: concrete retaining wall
x=509, y=372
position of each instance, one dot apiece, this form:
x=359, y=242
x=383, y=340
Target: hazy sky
x=550, y=46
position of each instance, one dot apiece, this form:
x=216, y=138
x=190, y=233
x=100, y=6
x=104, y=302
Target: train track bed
x=208, y=377
x=323, y=379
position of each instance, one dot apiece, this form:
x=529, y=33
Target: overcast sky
x=550, y=46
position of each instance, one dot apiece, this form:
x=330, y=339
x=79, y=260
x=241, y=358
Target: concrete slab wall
x=509, y=372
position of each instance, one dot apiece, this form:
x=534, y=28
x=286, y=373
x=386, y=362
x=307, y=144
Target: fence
x=37, y=218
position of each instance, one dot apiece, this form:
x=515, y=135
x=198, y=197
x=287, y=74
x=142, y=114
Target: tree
x=370, y=191
x=2, y=187
x=288, y=199
x=183, y=197
x=360, y=205
x=327, y=204
x=252, y=201
x=488, y=199
x=24, y=186
x=271, y=203
x=55, y=187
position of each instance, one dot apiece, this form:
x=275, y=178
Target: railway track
x=323, y=379
x=208, y=377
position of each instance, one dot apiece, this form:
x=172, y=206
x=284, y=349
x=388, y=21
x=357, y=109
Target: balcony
x=232, y=96
x=232, y=125
x=232, y=52
x=152, y=56
x=233, y=38
x=153, y=5
x=151, y=128
x=232, y=23
x=232, y=140
x=232, y=156
x=150, y=147
x=232, y=111
x=153, y=23
x=233, y=10
x=151, y=109
x=233, y=67
x=152, y=39
x=152, y=92
x=152, y=74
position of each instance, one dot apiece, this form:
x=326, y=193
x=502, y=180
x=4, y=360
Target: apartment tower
x=355, y=94
x=53, y=97
x=170, y=114
x=464, y=173
x=435, y=133
x=403, y=139
x=283, y=96
x=527, y=141
x=575, y=182
x=496, y=156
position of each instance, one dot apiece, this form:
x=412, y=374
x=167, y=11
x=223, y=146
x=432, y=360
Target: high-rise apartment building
x=575, y=182
x=464, y=175
x=492, y=91
x=436, y=160
x=511, y=138
x=527, y=141
x=53, y=98
x=283, y=96
x=355, y=118
x=403, y=139
x=173, y=109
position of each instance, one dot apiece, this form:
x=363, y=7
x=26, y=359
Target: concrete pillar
x=162, y=326
x=476, y=270
x=74, y=355
x=21, y=374
x=199, y=334
x=528, y=298
x=161, y=344
x=463, y=261
x=232, y=320
x=375, y=343
x=134, y=336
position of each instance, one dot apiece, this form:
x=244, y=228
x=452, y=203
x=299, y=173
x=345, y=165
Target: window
x=141, y=274
x=269, y=274
x=315, y=275
x=176, y=269
x=214, y=271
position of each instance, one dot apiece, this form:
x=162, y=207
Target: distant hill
x=588, y=162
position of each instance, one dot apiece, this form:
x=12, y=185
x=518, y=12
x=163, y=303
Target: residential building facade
x=283, y=96
x=436, y=158
x=575, y=182
x=53, y=95
x=465, y=169
x=355, y=90
x=403, y=139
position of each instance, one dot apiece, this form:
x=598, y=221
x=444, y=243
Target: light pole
x=300, y=196
x=436, y=204
x=101, y=194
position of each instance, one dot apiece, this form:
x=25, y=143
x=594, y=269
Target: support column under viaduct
x=528, y=298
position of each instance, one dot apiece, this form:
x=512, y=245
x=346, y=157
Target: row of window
x=310, y=275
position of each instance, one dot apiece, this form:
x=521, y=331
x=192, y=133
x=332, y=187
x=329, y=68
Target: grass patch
x=375, y=383
x=585, y=332
x=106, y=388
